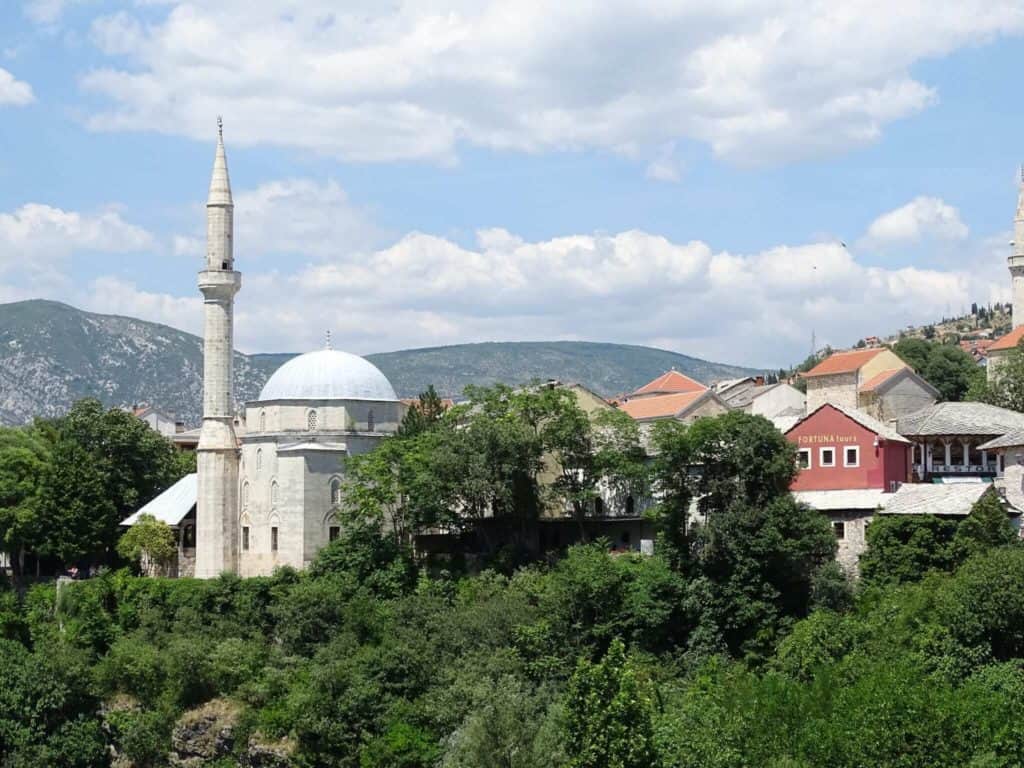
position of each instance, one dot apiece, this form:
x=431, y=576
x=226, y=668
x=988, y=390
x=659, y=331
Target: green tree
x=986, y=527
x=947, y=368
x=149, y=543
x=24, y=459
x=104, y=465
x=903, y=548
x=423, y=414
x=1007, y=387
x=609, y=715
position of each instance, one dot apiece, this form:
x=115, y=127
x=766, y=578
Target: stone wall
x=854, y=541
x=838, y=389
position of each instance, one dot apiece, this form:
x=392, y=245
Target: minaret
x=1016, y=260
x=217, y=455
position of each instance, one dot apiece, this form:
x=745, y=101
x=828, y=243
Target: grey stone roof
x=1009, y=440
x=960, y=419
x=870, y=422
x=953, y=499
x=854, y=499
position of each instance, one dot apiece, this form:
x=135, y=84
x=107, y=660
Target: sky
x=722, y=178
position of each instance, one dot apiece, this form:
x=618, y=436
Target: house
x=850, y=463
x=177, y=508
x=672, y=395
x=954, y=440
x=876, y=381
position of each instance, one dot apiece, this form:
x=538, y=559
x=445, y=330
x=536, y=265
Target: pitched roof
x=936, y=499
x=844, y=362
x=855, y=498
x=1009, y=341
x=960, y=419
x=670, y=382
x=886, y=379
x=1012, y=439
x=865, y=420
x=172, y=505
x=662, y=406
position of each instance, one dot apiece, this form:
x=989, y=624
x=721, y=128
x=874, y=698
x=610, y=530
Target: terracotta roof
x=843, y=362
x=884, y=376
x=670, y=382
x=661, y=406
x=1009, y=341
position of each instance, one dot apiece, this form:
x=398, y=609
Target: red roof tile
x=670, y=382
x=1009, y=341
x=661, y=406
x=843, y=362
x=878, y=379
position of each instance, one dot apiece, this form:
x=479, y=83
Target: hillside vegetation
x=52, y=354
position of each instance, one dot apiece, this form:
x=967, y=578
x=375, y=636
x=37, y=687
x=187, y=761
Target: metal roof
x=172, y=505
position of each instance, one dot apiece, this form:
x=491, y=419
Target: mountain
x=51, y=354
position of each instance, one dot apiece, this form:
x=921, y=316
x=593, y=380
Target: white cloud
x=923, y=218
x=14, y=92
x=758, y=81
x=36, y=235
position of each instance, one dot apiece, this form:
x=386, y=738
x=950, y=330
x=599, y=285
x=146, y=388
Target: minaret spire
x=217, y=459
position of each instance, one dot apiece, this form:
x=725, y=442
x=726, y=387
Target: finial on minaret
x=220, y=127
x=220, y=184
x=327, y=344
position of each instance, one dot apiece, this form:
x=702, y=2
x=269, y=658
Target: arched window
x=369, y=421
x=263, y=421
x=245, y=495
x=311, y=422
x=335, y=491
x=273, y=492
x=259, y=459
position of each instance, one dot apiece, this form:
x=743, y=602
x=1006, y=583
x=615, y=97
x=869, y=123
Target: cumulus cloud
x=37, y=234
x=756, y=81
x=923, y=218
x=14, y=92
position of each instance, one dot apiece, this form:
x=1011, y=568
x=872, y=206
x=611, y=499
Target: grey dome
x=328, y=374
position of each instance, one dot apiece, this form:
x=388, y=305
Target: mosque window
x=273, y=492
x=311, y=421
x=259, y=459
x=263, y=421
x=369, y=421
x=245, y=538
x=333, y=533
x=335, y=491
x=273, y=539
x=245, y=495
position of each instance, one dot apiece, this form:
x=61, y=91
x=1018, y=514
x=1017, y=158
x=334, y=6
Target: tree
x=149, y=543
x=24, y=458
x=903, y=548
x=948, y=368
x=422, y=415
x=986, y=527
x=609, y=715
x=104, y=465
x=1007, y=387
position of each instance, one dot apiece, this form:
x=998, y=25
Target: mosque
x=268, y=484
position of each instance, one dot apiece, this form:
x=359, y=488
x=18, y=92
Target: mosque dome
x=328, y=374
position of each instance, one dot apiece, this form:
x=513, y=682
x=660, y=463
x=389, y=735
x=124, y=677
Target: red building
x=844, y=449
x=850, y=465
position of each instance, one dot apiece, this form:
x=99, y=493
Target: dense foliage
x=946, y=367
x=66, y=483
x=1007, y=387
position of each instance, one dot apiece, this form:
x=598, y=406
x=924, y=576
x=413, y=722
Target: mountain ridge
x=52, y=354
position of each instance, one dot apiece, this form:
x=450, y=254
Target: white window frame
x=856, y=461
x=800, y=454
x=821, y=456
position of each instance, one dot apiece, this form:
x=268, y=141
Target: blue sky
x=678, y=174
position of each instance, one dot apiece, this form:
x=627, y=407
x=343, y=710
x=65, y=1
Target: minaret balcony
x=220, y=283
